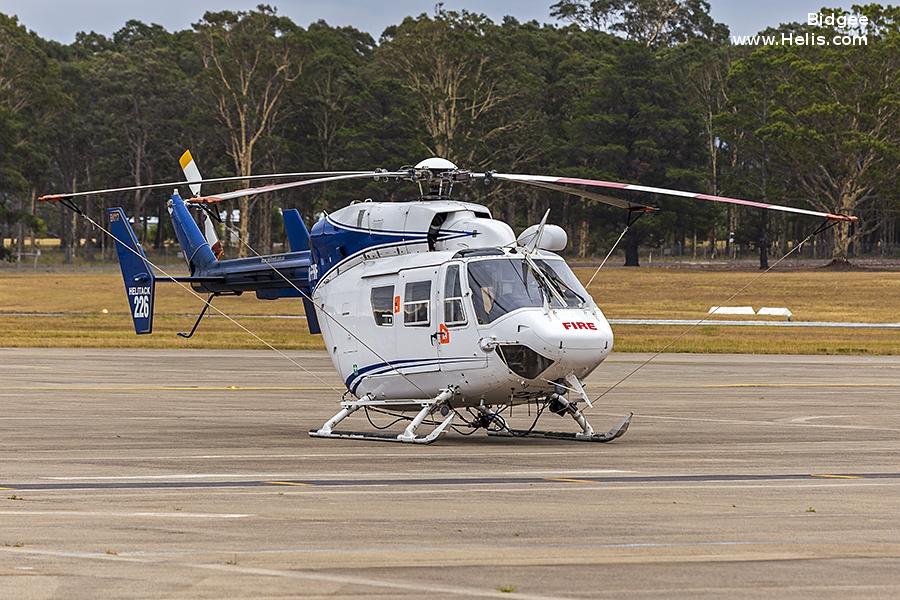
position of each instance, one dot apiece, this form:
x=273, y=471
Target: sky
x=61, y=19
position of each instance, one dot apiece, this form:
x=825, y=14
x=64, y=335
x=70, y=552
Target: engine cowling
x=463, y=230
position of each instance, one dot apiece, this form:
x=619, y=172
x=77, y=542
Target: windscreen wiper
x=559, y=284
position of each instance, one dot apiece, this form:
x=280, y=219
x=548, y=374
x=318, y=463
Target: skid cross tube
x=409, y=435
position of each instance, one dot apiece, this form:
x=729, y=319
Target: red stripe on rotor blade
x=793, y=209
x=593, y=182
x=733, y=201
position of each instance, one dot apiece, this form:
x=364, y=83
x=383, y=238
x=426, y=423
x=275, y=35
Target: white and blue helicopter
x=429, y=305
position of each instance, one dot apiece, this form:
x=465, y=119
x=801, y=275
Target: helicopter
x=429, y=305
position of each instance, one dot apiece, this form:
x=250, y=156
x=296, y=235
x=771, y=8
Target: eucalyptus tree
x=653, y=23
x=250, y=59
x=824, y=120
x=144, y=98
x=27, y=92
x=471, y=91
x=470, y=97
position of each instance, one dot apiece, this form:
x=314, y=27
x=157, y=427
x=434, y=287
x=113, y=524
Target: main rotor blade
x=294, y=184
x=151, y=186
x=602, y=198
x=546, y=180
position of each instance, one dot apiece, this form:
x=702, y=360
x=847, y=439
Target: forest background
x=643, y=91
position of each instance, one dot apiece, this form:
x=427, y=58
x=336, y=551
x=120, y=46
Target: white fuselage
x=408, y=326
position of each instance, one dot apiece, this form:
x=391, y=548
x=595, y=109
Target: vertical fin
x=298, y=234
x=197, y=252
x=192, y=174
x=140, y=284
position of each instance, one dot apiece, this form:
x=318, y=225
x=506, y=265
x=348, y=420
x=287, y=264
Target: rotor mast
x=439, y=174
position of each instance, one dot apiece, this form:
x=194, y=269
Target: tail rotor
x=193, y=177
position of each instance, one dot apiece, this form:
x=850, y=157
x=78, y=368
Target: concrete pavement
x=189, y=474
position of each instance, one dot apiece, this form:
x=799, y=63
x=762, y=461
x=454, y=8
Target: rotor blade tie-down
x=822, y=228
x=325, y=312
x=198, y=296
x=632, y=219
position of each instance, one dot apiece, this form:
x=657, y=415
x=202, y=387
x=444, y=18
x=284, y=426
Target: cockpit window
x=503, y=285
x=564, y=281
x=500, y=286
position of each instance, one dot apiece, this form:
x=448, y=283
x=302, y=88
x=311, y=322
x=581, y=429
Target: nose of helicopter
x=576, y=340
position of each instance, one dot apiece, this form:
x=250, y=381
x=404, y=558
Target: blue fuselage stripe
x=392, y=365
x=334, y=243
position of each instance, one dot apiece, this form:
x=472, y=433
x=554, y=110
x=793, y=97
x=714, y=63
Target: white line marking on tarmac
x=742, y=449
x=423, y=588
x=449, y=454
x=800, y=385
x=587, y=487
x=71, y=554
x=89, y=513
x=748, y=323
x=746, y=422
x=169, y=476
x=807, y=419
x=307, y=475
x=543, y=487
x=541, y=549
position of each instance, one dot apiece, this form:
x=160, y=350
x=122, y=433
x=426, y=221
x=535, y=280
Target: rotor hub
x=436, y=164
x=439, y=174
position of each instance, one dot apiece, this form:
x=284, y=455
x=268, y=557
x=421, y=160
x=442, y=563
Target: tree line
x=643, y=91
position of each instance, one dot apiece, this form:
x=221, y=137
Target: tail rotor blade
x=191, y=172
x=212, y=238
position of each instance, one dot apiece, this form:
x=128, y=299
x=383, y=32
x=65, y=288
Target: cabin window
x=416, y=298
x=382, y=305
x=453, y=298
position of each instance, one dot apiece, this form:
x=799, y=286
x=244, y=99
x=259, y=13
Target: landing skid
x=557, y=403
x=385, y=437
x=616, y=432
x=409, y=435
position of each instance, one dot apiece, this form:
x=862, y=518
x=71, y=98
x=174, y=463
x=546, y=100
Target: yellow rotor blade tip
x=185, y=159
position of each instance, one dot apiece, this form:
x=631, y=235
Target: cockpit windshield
x=503, y=285
x=564, y=282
